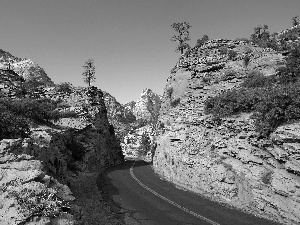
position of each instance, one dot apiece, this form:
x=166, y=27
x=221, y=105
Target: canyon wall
x=226, y=159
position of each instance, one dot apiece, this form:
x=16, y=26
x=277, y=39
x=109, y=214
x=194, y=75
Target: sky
x=129, y=40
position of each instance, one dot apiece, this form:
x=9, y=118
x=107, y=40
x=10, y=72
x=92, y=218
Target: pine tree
x=89, y=72
x=182, y=37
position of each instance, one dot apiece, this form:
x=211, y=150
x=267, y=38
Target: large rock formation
x=119, y=116
x=24, y=67
x=226, y=159
x=147, y=107
x=39, y=173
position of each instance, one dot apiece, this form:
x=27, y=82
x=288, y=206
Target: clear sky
x=129, y=40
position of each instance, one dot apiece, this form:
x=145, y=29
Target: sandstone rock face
x=119, y=116
x=225, y=159
x=140, y=143
x=147, y=107
x=25, y=68
x=35, y=171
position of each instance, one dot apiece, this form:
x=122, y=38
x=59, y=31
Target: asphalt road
x=140, y=193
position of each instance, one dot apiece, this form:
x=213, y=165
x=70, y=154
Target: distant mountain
x=24, y=67
x=118, y=115
x=147, y=107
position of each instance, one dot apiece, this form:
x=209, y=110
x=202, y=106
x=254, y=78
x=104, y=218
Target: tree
x=295, y=20
x=89, y=72
x=201, y=41
x=182, y=37
x=261, y=36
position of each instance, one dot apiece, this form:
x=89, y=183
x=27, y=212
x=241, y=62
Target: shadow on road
x=108, y=190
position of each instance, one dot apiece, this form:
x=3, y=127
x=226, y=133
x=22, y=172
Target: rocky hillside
x=24, y=67
x=43, y=175
x=226, y=159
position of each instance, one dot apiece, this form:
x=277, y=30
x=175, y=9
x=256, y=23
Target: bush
x=246, y=61
x=77, y=149
x=11, y=125
x=231, y=55
x=257, y=79
x=15, y=115
x=64, y=87
x=228, y=75
x=267, y=177
x=223, y=50
x=175, y=102
x=169, y=92
x=273, y=105
x=36, y=110
x=232, y=102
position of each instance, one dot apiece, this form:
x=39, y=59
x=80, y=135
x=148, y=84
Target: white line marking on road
x=169, y=201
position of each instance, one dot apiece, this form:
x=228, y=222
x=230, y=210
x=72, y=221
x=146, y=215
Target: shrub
x=36, y=110
x=223, y=50
x=11, y=125
x=267, y=177
x=169, y=92
x=228, y=75
x=258, y=79
x=273, y=105
x=175, y=102
x=64, y=87
x=231, y=54
x=232, y=102
x=77, y=149
x=246, y=61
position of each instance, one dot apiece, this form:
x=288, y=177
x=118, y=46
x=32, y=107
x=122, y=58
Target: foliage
x=175, y=102
x=145, y=142
x=231, y=54
x=169, y=92
x=223, y=50
x=64, y=87
x=182, y=37
x=12, y=125
x=77, y=149
x=295, y=20
x=39, y=202
x=267, y=177
x=229, y=74
x=246, y=60
x=16, y=114
x=257, y=79
x=202, y=41
x=29, y=87
x=89, y=72
x=274, y=99
x=261, y=36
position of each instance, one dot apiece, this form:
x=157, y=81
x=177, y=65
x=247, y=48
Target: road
x=137, y=191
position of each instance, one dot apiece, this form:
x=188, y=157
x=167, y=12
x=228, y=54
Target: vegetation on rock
x=274, y=99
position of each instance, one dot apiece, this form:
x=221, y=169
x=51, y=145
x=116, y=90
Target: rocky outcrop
x=36, y=172
x=147, y=107
x=119, y=116
x=226, y=159
x=140, y=143
x=24, y=67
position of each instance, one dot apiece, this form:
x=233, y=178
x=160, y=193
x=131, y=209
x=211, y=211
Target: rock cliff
x=146, y=108
x=118, y=115
x=40, y=173
x=225, y=159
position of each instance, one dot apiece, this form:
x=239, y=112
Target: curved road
x=132, y=188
